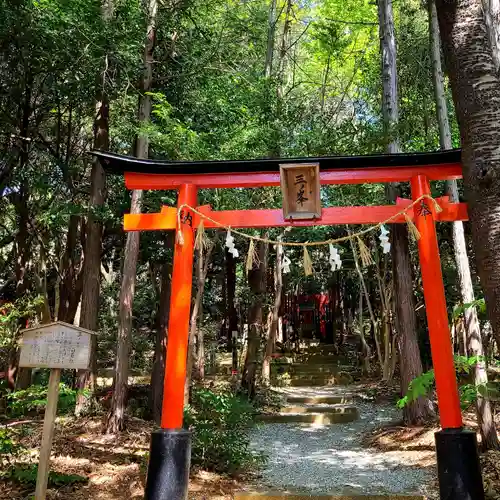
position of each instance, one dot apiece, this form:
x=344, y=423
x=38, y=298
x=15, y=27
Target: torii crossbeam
x=458, y=463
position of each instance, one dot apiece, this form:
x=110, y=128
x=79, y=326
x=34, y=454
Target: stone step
x=340, y=408
x=311, y=370
x=331, y=365
x=319, y=380
x=267, y=496
x=306, y=370
x=316, y=400
x=321, y=418
x=316, y=359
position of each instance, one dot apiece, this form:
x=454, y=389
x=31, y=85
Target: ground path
x=331, y=459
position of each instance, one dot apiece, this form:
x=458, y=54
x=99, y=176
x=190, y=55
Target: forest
x=236, y=79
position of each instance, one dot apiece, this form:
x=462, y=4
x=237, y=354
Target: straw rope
x=358, y=234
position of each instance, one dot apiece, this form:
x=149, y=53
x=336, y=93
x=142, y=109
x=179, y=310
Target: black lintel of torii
x=119, y=164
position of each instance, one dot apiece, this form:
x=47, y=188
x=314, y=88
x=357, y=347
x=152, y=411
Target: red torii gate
x=168, y=472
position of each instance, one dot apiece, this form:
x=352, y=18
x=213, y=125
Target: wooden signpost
x=56, y=346
x=300, y=186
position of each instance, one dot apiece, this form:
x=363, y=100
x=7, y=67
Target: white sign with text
x=56, y=345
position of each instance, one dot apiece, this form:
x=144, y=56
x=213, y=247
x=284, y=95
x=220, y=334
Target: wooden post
x=48, y=434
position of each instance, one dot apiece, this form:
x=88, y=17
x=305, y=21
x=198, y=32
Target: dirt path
x=331, y=459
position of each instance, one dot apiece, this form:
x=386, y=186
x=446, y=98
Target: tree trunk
x=273, y=328
x=93, y=241
x=271, y=33
x=472, y=328
x=70, y=287
x=232, y=315
x=158, y=371
x=491, y=9
x=116, y=415
x=257, y=282
x=411, y=365
x=365, y=348
x=476, y=93
x=202, y=263
x=21, y=378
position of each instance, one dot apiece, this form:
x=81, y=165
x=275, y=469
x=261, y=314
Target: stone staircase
x=307, y=408
x=311, y=395
x=317, y=365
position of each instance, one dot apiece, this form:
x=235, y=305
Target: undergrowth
x=220, y=422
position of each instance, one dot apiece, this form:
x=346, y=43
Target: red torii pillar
x=170, y=451
x=459, y=469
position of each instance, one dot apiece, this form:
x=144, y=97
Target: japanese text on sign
x=55, y=346
x=301, y=183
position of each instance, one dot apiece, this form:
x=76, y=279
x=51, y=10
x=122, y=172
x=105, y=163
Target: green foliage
x=422, y=385
x=419, y=386
x=479, y=304
x=26, y=474
x=221, y=422
x=268, y=400
x=13, y=314
x=34, y=400
x=7, y=444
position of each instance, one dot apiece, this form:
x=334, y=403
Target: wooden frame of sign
x=56, y=346
x=300, y=187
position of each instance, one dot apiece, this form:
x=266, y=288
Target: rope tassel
x=437, y=206
x=308, y=268
x=201, y=241
x=179, y=238
x=412, y=229
x=364, y=253
x=252, y=256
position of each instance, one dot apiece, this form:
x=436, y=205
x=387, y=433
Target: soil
x=114, y=465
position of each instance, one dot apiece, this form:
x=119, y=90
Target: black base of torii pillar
x=169, y=463
x=459, y=471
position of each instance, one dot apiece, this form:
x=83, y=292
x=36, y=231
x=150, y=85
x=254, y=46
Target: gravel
x=331, y=459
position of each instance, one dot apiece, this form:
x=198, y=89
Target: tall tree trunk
x=161, y=336
x=232, y=315
x=365, y=348
x=271, y=34
x=273, y=327
x=476, y=93
x=411, y=364
x=275, y=118
x=70, y=286
x=472, y=327
x=21, y=377
x=116, y=415
x=257, y=282
x=93, y=241
x=202, y=263
x=491, y=9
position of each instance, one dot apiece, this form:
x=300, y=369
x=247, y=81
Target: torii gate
x=168, y=472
